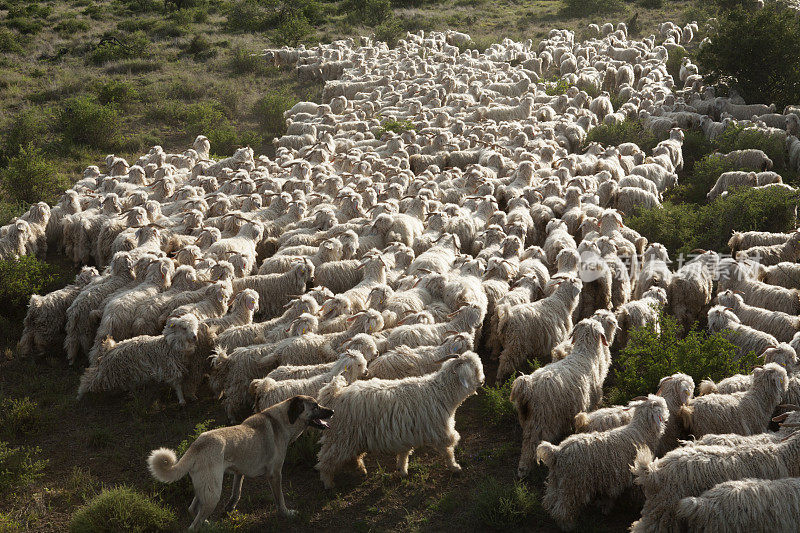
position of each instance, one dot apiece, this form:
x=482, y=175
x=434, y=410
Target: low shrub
x=395, y=126
x=19, y=416
x=627, y=131
x=650, y=356
x=389, y=31
x=745, y=46
x=30, y=177
x=556, y=87
x=501, y=506
x=85, y=121
x=244, y=61
x=582, y=8
x=122, y=509
x=11, y=42
x=19, y=279
x=116, y=92
x=496, y=405
x=28, y=126
x=19, y=466
x=369, y=12
x=133, y=46
x=292, y=29
x=200, y=47
x=269, y=110
x=69, y=27
x=695, y=186
x=684, y=227
x=674, y=61
x=741, y=138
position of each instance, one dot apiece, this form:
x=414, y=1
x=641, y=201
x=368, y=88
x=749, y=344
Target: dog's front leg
x=235, y=494
x=277, y=495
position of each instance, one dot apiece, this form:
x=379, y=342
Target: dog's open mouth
x=321, y=422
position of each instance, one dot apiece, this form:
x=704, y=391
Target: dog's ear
x=295, y=408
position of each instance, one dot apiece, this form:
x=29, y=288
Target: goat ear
x=295, y=408
x=603, y=339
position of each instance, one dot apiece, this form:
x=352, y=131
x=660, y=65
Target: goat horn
x=791, y=406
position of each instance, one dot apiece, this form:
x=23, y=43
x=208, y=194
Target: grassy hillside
x=82, y=78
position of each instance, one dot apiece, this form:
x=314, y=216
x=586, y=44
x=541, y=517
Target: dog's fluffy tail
x=165, y=467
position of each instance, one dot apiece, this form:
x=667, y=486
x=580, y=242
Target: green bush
x=502, y=506
x=19, y=466
x=684, y=227
x=133, y=46
x=29, y=126
x=389, y=31
x=19, y=416
x=200, y=47
x=674, y=59
x=122, y=509
x=269, y=110
x=395, y=126
x=247, y=15
x=651, y=4
x=10, y=42
x=116, y=92
x=496, y=405
x=85, y=121
x=244, y=61
x=741, y=138
x=21, y=278
x=556, y=87
x=695, y=186
x=650, y=356
x=747, y=46
x=30, y=176
x=628, y=131
x=695, y=147
x=69, y=27
x=292, y=29
x=369, y=12
x=582, y=8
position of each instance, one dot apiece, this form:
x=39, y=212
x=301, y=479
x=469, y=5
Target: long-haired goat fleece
x=676, y=389
x=743, y=505
x=548, y=400
x=597, y=465
x=745, y=413
x=267, y=392
x=396, y=416
x=690, y=470
x=783, y=355
x=128, y=364
x=533, y=330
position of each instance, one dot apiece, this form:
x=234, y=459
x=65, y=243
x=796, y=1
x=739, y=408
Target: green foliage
x=18, y=416
x=628, y=131
x=69, y=27
x=30, y=176
x=501, y=506
x=582, y=8
x=206, y=118
x=247, y=15
x=394, y=126
x=19, y=466
x=122, y=509
x=389, y=31
x=269, y=110
x=757, y=52
x=28, y=126
x=21, y=278
x=674, y=59
x=695, y=147
x=10, y=525
x=496, y=405
x=651, y=4
x=684, y=227
x=10, y=42
x=200, y=47
x=133, y=46
x=650, y=356
x=695, y=187
x=199, y=429
x=116, y=92
x=83, y=120
x=741, y=138
x=369, y=12
x=556, y=87
x=292, y=29
x=244, y=61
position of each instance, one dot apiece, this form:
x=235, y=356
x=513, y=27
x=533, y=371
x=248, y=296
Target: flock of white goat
x=366, y=267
